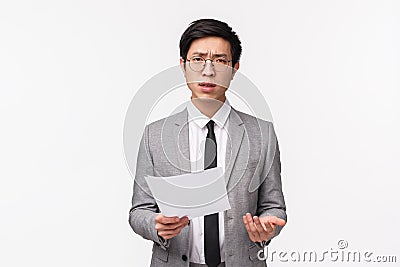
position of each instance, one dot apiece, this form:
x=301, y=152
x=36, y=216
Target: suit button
x=184, y=257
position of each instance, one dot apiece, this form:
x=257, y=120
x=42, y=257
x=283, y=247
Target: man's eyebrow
x=199, y=53
x=220, y=55
x=205, y=54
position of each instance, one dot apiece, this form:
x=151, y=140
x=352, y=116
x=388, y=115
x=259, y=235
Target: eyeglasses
x=197, y=63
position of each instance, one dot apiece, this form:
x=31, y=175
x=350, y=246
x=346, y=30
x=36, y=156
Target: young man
x=210, y=133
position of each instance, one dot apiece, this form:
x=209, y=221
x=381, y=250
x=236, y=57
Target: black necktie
x=211, y=232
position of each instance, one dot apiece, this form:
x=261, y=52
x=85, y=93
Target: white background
x=68, y=70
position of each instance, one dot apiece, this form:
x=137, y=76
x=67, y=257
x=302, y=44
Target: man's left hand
x=261, y=228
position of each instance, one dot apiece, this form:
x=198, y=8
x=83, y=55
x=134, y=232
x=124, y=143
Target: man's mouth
x=206, y=84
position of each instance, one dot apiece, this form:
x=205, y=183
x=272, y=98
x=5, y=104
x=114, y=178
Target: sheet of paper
x=193, y=194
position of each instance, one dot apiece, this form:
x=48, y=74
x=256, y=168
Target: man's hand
x=261, y=229
x=168, y=227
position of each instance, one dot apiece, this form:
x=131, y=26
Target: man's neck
x=207, y=106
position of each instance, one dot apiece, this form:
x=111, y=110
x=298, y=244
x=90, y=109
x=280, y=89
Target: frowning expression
x=208, y=67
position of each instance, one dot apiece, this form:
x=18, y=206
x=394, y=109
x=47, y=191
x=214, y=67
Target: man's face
x=208, y=79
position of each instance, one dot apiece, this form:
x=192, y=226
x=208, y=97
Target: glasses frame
x=204, y=64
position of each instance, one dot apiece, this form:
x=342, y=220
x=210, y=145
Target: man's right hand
x=168, y=227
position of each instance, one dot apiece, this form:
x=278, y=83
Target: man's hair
x=206, y=28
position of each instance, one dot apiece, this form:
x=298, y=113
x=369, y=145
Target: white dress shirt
x=197, y=137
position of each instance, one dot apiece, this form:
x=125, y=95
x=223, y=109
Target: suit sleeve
x=270, y=196
x=144, y=208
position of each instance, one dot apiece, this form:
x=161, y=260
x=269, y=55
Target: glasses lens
x=220, y=67
x=221, y=63
x=196, y=65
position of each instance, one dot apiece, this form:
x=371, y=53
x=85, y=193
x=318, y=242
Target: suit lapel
x=235, y=137
x=181, y=141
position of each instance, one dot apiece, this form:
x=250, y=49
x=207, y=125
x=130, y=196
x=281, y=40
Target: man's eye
x=221, y=61
x=197, y=59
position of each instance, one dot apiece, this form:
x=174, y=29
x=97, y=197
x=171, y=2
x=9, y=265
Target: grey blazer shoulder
x=252, y=175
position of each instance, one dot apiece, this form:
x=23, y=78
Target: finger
x=171, y=226
x=179, y=229
x=169, y=220
x=246, y=224
x=260, y=228
x=269, y=228
x=253, y=228
x=184, y=219
x=265, y=221
x=277, y=221
x=181, y=224
x=258, y=222
x=168, y=232
x=245, y=221
x=160, y=218
x=171, y=232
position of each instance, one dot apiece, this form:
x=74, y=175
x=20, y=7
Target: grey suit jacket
x=252, y=175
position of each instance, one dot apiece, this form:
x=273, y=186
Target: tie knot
x=210, y=125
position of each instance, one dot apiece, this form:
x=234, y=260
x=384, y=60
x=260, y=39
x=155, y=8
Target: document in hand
x=193, y=194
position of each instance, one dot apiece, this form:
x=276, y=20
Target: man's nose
x=208, y=69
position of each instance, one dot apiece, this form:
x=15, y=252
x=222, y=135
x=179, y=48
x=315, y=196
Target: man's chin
x=207, y=90
x=206, y=96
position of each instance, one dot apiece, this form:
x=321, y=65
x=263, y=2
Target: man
x=210, y=133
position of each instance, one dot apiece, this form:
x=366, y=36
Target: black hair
x=210, y=27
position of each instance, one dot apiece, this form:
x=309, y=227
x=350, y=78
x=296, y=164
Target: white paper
x=193, y=194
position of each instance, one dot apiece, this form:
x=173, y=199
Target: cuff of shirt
x=164, y=243
x=263, y=244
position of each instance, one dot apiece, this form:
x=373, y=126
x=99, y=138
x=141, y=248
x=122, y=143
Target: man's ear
x=182, y=63
x=235, y=68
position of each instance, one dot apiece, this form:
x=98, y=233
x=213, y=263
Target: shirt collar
x=220, y=117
